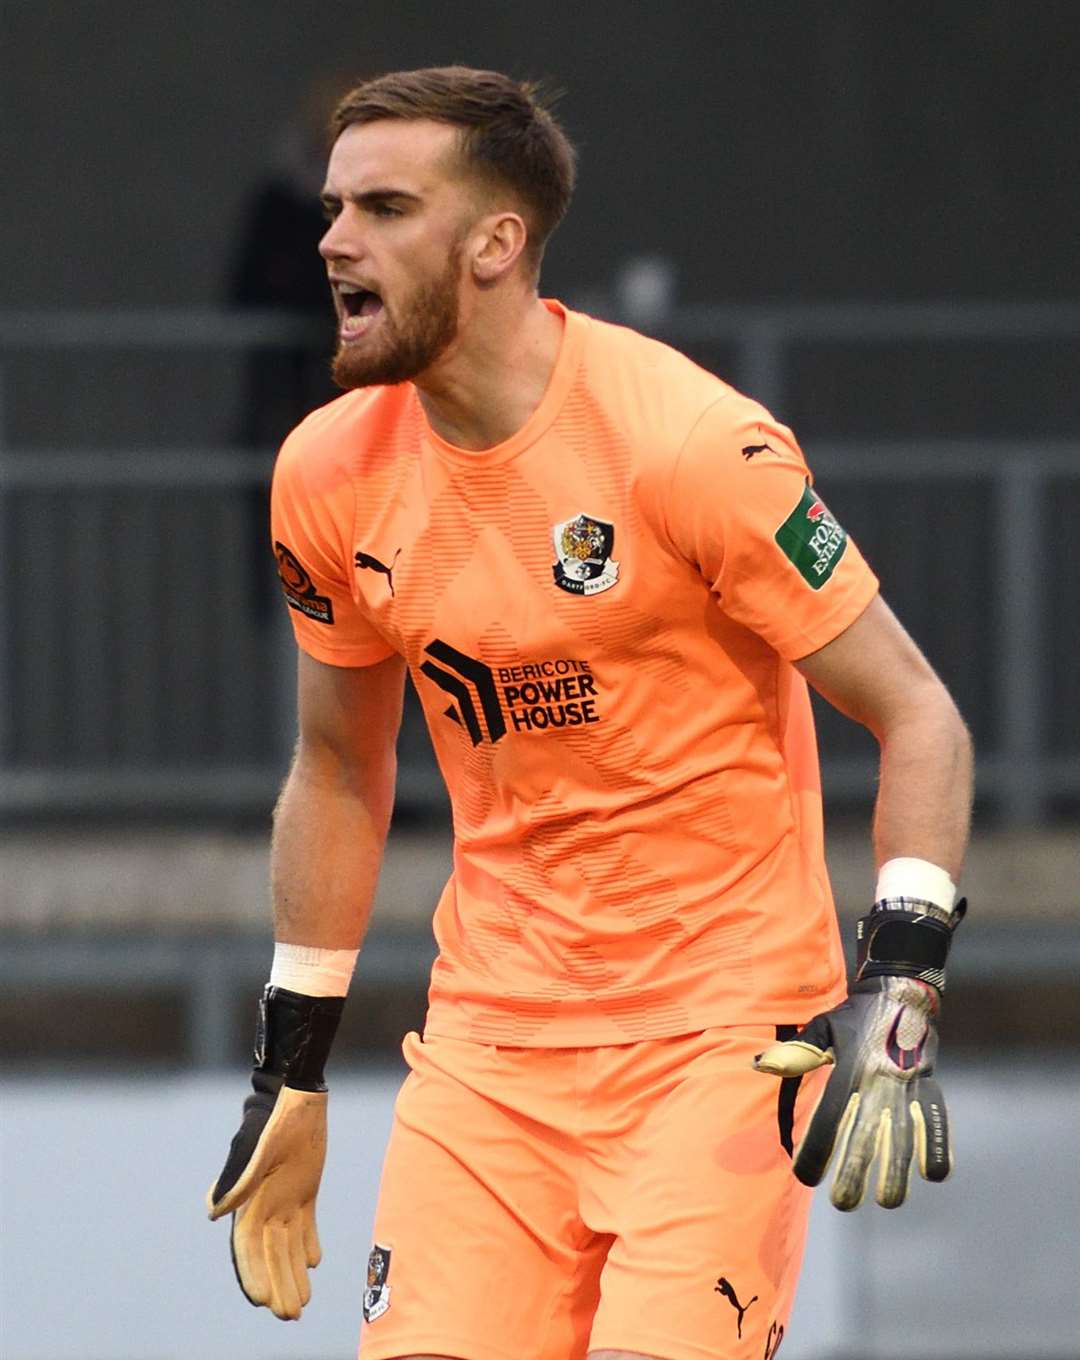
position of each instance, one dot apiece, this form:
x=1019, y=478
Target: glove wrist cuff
x=906, y=937
x=294, y=1035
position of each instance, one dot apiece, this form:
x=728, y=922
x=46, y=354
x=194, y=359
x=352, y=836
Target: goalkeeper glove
x=271, y=1175
x=881, y=1102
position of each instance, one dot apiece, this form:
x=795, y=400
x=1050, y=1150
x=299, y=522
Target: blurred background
x=865, y=215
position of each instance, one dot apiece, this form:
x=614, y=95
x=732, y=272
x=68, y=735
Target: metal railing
x=135, y=671
x=765, y=334
x=762, y=334
x=208, y=974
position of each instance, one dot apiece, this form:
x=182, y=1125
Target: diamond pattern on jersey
x=634, y=789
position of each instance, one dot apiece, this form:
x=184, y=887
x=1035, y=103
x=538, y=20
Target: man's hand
x=271, y=1175
x=881, y=1102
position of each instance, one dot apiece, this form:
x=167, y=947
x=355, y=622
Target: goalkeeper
x=611, y=580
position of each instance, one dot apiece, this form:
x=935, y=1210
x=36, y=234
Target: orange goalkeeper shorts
x=537, y=1204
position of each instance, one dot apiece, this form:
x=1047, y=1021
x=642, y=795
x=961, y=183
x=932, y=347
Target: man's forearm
x=330, y=829
x=924, y=800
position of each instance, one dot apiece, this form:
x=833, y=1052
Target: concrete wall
x=771, y=149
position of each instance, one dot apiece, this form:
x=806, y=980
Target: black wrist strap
x=294, y=1035
x=906, y=937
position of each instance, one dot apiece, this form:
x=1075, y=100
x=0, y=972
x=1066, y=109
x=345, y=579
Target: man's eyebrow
x=369, y=198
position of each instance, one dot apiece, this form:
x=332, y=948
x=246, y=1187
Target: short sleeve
x=743, y=509
x=311, y=521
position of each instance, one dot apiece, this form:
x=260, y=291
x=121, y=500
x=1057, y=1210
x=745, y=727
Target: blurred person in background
x=611, y=579
x=275, y=266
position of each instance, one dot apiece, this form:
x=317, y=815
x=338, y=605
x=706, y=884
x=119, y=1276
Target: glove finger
x=894, y=1167
x=813, y=1153
x=931, y=1130
x=284, y=1295
x=243, y=1149
x=312, y=1249
x=246, y=1245
x=298, y=1261
x=233, y=1200
x=242, y=1172
x=793, y=1058
x=812, y=1047
x=859, y=1138
x=220, y=1198
x=289, y=1119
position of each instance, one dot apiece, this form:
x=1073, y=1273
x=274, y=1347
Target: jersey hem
x=442, y=1023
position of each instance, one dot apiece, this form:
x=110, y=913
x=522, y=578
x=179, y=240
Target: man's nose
x=339, y=240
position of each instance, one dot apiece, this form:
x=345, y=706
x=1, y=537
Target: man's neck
x=493, y=378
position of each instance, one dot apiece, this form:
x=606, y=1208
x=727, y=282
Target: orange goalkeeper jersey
x=599, y=616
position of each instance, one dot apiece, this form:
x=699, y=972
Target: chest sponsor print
x=583, y=548
x=811, y=539
x=538, y=696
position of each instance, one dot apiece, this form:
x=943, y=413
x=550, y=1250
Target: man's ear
x=498, y=240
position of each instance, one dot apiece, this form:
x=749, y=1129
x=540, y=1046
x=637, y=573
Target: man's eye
x=386, y=210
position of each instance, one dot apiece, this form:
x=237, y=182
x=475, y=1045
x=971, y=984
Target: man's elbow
x=363, y=771
x=930, y=715
x=956, y=739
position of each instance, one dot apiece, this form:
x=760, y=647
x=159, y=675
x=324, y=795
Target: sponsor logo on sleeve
x=300, y=592
x=811, y=539
x=583, y=547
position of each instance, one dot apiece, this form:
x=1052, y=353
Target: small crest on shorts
x=377, y=1291
x=583, y=547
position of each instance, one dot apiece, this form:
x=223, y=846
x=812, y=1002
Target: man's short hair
x=508, y=134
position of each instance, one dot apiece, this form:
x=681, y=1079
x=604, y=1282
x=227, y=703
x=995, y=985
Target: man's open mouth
x=359, y=302
x=360, y=309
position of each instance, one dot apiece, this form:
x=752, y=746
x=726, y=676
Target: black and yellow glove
x=881, y=1103
x=271, y=1175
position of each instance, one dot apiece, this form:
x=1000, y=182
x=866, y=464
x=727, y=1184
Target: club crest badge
x=583, y=547
x=377, y=1292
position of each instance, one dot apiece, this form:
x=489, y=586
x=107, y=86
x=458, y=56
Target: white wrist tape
x=919, y=878
x=310, y=971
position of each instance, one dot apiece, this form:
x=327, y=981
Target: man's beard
x=410, y=344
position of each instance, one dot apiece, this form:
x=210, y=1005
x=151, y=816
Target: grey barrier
x=135, y=673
